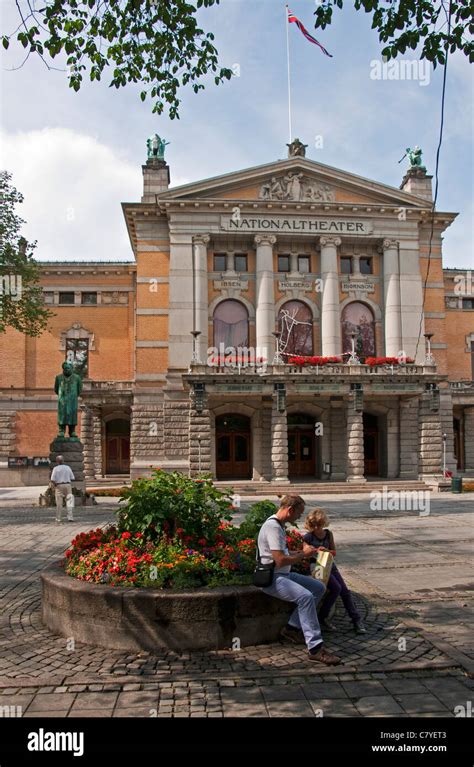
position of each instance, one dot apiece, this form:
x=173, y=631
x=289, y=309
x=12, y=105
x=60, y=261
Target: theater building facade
x=208, y=351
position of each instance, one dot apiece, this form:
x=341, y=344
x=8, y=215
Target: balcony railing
x=336, y=369
x=462, y=385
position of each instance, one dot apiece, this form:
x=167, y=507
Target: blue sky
x=77, y=156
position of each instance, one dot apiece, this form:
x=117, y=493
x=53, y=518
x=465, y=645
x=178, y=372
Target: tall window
x=358, y=318
x=295, y=323
x=231, y=324
x=77, y=353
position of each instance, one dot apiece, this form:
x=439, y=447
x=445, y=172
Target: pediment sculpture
x=296, y=186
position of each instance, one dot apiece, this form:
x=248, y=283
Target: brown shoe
x=323, y=656
x=293, y=635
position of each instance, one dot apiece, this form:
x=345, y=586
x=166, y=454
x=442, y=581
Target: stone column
x=338, y=441
x=200, y=243
x=266, y=443
x=446, y=418
x=87, y=438
x=430, y=436
x=279, y=444
x=199, y=440
x=355, y=445
x=99, y=468
x=393, y=443
x=323, y=442
x=409, y=429
x=265, y=296
x=330, y=312
x=469, y=438
x=391, y=281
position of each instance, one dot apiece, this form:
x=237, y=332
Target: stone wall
x=7, y=433
x=147, y=433
x=430, y=442
x=338, y=442
x=409, y=438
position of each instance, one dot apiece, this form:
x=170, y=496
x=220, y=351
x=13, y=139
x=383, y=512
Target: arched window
x=358, y=318
x=295, y=323
x=231, y=325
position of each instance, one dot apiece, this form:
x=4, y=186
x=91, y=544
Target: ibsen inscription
x=304, y=225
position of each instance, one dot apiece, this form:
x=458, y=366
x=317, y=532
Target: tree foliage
x=21, y=296
x=404, y=24
x=156, y=43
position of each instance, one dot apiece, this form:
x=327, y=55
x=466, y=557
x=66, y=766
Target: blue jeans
x=306, y=592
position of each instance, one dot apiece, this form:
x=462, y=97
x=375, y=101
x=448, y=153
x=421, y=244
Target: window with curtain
x=358, y=318
x=231, y=324
x=295, y=323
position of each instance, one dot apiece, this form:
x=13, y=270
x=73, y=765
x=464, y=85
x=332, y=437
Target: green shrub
x=168, y=503
x=258, y=514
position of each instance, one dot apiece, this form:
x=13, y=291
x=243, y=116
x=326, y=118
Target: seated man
x=304, y=590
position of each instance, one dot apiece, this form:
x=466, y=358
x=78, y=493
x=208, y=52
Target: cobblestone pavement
x=414, y=661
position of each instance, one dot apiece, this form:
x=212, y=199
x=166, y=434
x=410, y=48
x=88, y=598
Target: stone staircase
x=247, y=487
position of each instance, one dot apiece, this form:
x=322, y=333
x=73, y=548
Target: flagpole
x=289, y=81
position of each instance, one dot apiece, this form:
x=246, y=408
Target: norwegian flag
x=293, y=19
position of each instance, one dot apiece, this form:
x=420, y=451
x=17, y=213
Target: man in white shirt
x=61, y=477
x=303, y=590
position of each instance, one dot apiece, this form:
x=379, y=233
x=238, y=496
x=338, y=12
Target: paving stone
x=326, y=690
x=334, y=707
x=289, y=708
x=95, y=700
x=363, y=689
x=51, y=702
x=378, y=705
x=142, y=698
x=92, y=713
x=414, y=703
x=282, y=693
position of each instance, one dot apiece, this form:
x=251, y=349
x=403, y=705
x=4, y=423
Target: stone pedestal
x=431, y=444
x=355, y=445
x=73, y=453
x=279, y=445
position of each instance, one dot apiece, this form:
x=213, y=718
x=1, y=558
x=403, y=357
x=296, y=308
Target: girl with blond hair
x=321, y=537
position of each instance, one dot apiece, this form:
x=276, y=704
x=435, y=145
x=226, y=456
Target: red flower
x=126, y=535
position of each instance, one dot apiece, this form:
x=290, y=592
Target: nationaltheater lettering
x=310, y=225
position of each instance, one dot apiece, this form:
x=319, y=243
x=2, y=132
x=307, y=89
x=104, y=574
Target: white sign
x=367, y=287
x=300, y=224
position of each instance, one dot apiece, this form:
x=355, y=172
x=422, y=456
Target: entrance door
x=371, y=445
x=117, y=449
x=301, y=446
x=233, y=447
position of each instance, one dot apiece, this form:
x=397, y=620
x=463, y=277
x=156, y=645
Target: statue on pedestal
x=414, y=157
x=68, y=386
x=297, y=148
x=156, y=147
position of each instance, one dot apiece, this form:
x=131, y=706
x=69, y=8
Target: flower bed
x=373, y=361
x=174, y=533
x=173, y=572
x=297, y=360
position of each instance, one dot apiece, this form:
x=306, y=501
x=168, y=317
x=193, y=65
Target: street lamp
x=277, y=359
x=195, y=360
x=429, y=359
x=353, y=359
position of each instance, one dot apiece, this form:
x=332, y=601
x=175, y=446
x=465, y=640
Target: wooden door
x=301, y=452
x=118, y=455
x=371, y=445
x=233, y=455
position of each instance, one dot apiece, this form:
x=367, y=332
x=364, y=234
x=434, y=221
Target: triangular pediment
x=296, y=180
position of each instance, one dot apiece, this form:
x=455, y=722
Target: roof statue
x=156, y=147
x=414, y=157
x=297, y=148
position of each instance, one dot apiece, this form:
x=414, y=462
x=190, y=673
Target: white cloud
x=73, y=186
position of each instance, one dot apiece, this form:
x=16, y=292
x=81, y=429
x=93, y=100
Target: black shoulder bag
x=263, y=574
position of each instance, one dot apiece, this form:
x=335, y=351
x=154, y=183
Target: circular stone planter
x=155, y=619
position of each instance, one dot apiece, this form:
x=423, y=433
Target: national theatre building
x=286, y=322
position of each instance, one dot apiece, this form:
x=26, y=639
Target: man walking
x=61, y=477
x=303, y=590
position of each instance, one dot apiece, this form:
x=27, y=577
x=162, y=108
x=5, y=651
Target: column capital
x=334, y=241
x=201, y=239
x=264, y=239
x=388, y=244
